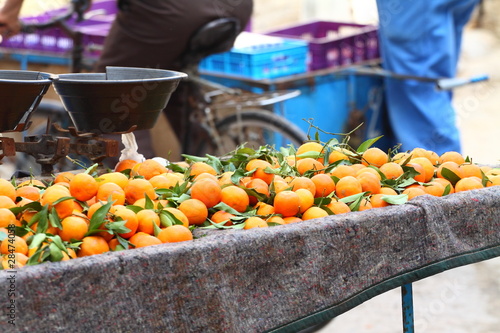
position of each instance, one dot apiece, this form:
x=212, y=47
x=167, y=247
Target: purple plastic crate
x=55, y=41
x=331, y=46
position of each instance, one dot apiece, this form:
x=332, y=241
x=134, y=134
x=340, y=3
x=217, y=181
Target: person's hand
x=9, y=24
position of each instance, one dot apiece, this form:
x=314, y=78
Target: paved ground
x=465, y=299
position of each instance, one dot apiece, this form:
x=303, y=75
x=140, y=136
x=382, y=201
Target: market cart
x=279, y=279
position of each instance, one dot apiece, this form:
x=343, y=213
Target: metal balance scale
x=122, y=100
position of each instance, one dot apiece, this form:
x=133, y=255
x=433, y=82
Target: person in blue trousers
x=422, y=38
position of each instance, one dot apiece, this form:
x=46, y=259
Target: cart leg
x=407, y=303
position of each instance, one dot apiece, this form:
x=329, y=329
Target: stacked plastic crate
x=334, y=44
x=333, y=97
x=53, y=45
x=257, y=56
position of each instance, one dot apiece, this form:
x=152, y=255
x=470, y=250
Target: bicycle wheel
x=254, y=128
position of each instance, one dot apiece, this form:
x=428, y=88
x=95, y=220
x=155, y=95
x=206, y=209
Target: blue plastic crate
x=279, y=58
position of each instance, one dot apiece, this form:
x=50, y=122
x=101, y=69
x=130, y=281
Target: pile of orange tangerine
x=147, y=203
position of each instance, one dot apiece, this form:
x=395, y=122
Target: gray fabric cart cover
x=279, y=279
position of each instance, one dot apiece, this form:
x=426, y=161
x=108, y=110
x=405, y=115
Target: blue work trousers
x=422, y=38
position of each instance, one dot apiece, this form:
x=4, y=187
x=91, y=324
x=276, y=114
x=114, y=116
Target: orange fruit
x=125, y=165
x=160, y=181
x=493, y=172
x=8, y=218
x=279, y=185
x=14, y=244
x=374, y=156
x=445, y=183
x=206, y=175
x=16, y=260
x=348, y=186
x=369, y=170
x=63, y=177
x=113, y=243
x=83, y=186
x=138, y=188
x=259, y=186
x=260, y=166
x=365, y=204
x=94, y=207
x=225, y=178
x=255, y=222
x=400, y=158
x=493, y=181
x=148, y=169
x=314, y=213
x=336, y=155
x=113, y=177
x=434, y=188
x=235, y=197
x=54, y=193
x=369, y=182
x=471, y=170
x=421, y=177
x=377, y=201
x=276, y=219
x=70, y=255
x=391, y=170
x=73, y=227
x=166, y=180
x=201, y=167
x=388, y=191
x=129, y=216
x=306, y=199
x=427, y=165
x=207, y=191
x=292, y=219
x=452, y=156
x=20, y=203
x=287, y=203
x=142, y=239
x=309, y=164
x=451, y=166
x=7, y=189
x=338, y=207
x=303, y=182
x=310, y=147
x=147, y=218
x=342, y=170
x=358, y=166
x=32, y=182
x=50, y=229
x=468, y=183
x=413, y=192
x=195, y=211
x=428, y=154
x=324, y=185
x=6, y=202
x=264, y=208
x=433, y=157
x=92, y=245
x=28, y=192
x=178, y=215
x=222, y=216
x=175, y=233
x=111, y=192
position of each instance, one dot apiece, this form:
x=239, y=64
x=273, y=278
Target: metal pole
x=407, y=305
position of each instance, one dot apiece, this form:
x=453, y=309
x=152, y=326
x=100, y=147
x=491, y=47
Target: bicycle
x=228, y=118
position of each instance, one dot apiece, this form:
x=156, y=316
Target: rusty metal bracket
x=7, y=147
